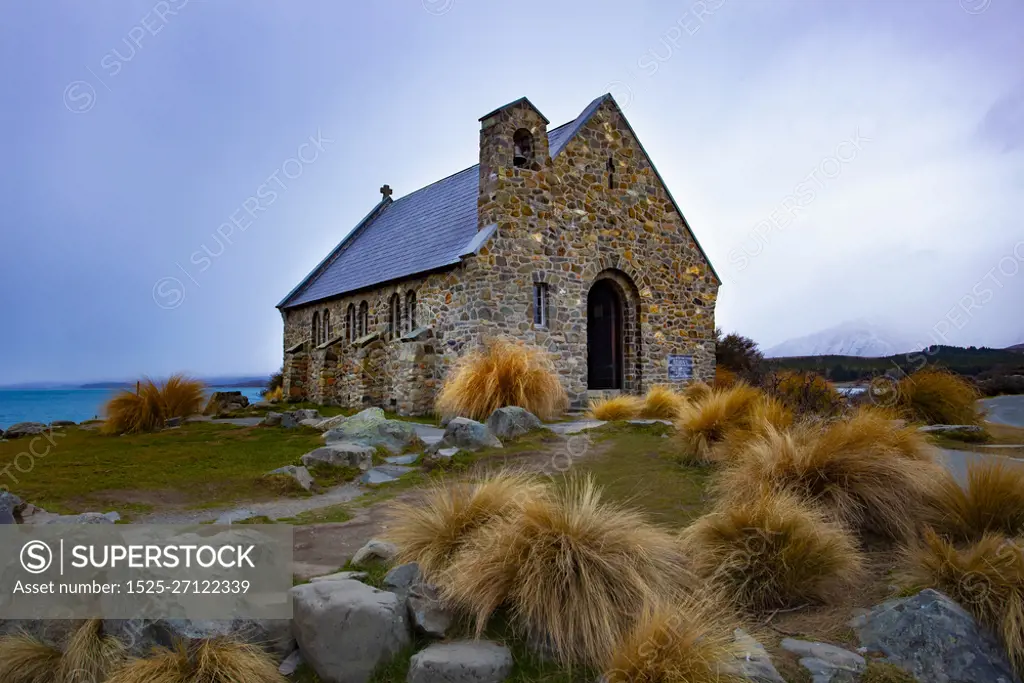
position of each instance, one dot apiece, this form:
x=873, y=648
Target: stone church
x=566, y=238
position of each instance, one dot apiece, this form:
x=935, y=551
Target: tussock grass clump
x=687, y=640
x=696, y=391
x=993, y=501
x=430, y=530
x=726, y=414
x=774, y=551
x=503, y=373
x=24, y=659
x=622, y=407
x=662, y=403
x=937, y=396
x=986, y=579
x=147, y=408
x=90, y=655
x=869, y=483
x=275, y=394
x=219, y=660
x=570, y=567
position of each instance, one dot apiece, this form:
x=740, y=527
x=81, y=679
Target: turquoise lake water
x=47, y=405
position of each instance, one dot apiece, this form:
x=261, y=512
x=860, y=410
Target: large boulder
x=223, y=402
x=935, y=639
x=341, y=454
x=512, y=422
x=400, y=580
x=372, y=428
x=306, y=414
x=467, y=434
x=477, y=661
x=345, y=629
x=21, y=429
x=752, y=661
x=429, y=614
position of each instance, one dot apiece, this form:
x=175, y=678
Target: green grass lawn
x=198, y=464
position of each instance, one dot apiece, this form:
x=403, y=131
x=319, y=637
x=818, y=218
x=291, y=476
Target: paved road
x=957, y=461
x=1007, y=410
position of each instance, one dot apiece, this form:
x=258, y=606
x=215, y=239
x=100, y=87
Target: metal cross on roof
x=386, y=190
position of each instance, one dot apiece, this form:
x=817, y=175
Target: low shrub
x=736, y=414
x=275, y=394
x=871, y=483
x=992, y=501
x=986, y=579
x=662, y=403
x=806, y=392
x=275, y=385
x=503, y=373
x=725, y=378
x=570, y=567
x=209, y=661
x=937, y=396
x=622, y=407
x=774, y=551
x=148, y=407
x=430, y=530
x=686, y=640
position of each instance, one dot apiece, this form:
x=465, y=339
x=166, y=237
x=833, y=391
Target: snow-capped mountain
x=855, y=338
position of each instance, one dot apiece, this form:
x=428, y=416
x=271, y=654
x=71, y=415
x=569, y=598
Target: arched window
x=522, y=148
x=350, y=323
x=315, y=332
x=364, y=319
x=410, y=311
x=327, y=326
x=395, y=317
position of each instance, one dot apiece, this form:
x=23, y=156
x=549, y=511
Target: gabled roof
x=430, y=229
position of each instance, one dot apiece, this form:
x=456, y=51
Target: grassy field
x=199, y=464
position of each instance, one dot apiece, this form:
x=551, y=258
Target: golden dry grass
x=992, y=501
x=89, y=655
x=737, y=414
x=503, y=373
x=622, y=407
x=696, y=391
x=986, y=579
x=147, y=408
x=210, y=661
x=774, y=551
x=937, y=396
x=430, y=530
x=275, y=394
x=662, y=403
x=24, y=659
x=867, y=473
x=687, y=640
x=570, y=567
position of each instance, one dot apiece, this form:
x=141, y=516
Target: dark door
x=604, y=337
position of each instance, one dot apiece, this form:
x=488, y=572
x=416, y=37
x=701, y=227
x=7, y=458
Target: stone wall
x=562, y=222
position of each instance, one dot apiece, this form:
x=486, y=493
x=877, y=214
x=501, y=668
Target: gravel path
x=1006, y=410
x=274, y=509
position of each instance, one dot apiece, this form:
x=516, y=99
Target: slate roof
x=430, y=229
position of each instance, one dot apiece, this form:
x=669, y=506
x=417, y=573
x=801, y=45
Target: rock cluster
x=222, y=403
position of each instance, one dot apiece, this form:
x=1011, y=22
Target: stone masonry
x=597, y=211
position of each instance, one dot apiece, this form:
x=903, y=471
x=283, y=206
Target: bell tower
x=513, y=144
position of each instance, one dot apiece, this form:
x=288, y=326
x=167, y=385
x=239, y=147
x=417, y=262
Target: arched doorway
x=605, y=325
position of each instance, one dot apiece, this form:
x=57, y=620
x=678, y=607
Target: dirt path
x=279, y=508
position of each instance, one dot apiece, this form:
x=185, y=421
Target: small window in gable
x=540, y=304
x=327, y=326
x=410, y=311
x=364, y=319
x=395, y=317
x=611, y=174
x=315, y=331
x=522, y=148
x=350, y=323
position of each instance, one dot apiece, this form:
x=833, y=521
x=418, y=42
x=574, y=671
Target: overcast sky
x=837, y=160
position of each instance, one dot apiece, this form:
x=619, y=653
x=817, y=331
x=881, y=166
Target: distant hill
x=972, y=361
x=228, y=381
x=862, y=338
x=1019, y=348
